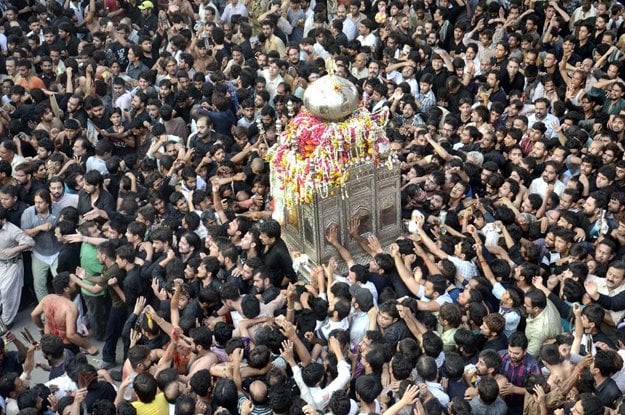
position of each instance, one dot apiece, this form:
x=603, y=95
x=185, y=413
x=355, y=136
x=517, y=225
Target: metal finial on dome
x=331, y=97
x=330, y=66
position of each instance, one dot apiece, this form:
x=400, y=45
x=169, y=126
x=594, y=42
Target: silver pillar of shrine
x=372, y=194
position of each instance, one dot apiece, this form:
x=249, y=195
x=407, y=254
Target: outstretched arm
x=429, y=243
x=404, y=273
x=333, y=239
x=353, y=229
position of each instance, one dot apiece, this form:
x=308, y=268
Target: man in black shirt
x=602, y=368
x=27, y=187
x=134, y=285
x=492, y=329
x=276, y=255
x=94, y=202
x=148, y=21
x=14, y=206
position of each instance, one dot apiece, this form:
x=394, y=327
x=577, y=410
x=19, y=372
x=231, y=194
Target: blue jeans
x=114, y=327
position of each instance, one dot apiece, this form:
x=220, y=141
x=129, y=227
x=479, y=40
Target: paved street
x=22, y=321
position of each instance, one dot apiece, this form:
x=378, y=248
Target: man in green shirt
x=94, y=287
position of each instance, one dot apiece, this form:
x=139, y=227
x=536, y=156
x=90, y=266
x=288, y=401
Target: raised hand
x=411, y=394
x=577, y=310
x=237, y=355
x=354, y=226
x=374, y=244
x=332, y=234
x=591, y=289
x=287, y=350
x=539, y=394
x=135, y=336
x=139, y=304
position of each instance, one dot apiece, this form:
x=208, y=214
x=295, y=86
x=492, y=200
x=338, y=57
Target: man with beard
x=76, y=111
x=543, y=321
x=263, y=286
x=433, y=182
x=162, y=254
x=516, y=365
x=593, y=208
x=98, y=114
x=191, y=181
x=267, y=116
x=237, y=228
x=488, y=363
x=349, y=28
x=609, y=287
x=618, y=126
x=548, y=178
x=60, y=199
x=134, y=285
x=541, y=114
x=46, y=74
x=250, y=245
x=26, y=185
x=180, y=206
x=202, y=140
x=433, y=294
x=204, y=358
x=140, y=359
x=60, y=315
x=188, y=246
x=113, y=276
x=206, y=276
x=95, y=203
x=37, y=222
x=228, y=256
x=435, y=203
x=604, y=253
x=10, y=202
x=138, y=111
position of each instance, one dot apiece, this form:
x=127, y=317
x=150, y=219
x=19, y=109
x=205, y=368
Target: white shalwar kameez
x=11, y=270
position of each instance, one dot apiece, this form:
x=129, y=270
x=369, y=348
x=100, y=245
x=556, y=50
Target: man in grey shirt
x=37, y=222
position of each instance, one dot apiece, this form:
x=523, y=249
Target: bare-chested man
x=60, y=314
x=204, y=358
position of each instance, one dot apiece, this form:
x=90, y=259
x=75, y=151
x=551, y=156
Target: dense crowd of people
x=136, y=209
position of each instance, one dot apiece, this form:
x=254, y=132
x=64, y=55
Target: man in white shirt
x=273, y=78
x=549, y=177
x=310, y=390
x=232, y=8
x=349, y=28
x=365, y=35
x=583, y=12
x=541, y=114
x=103, y=151
x=362, y=301
x=611, y=285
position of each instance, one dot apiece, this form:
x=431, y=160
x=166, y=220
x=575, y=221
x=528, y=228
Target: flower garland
x=312, y=156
